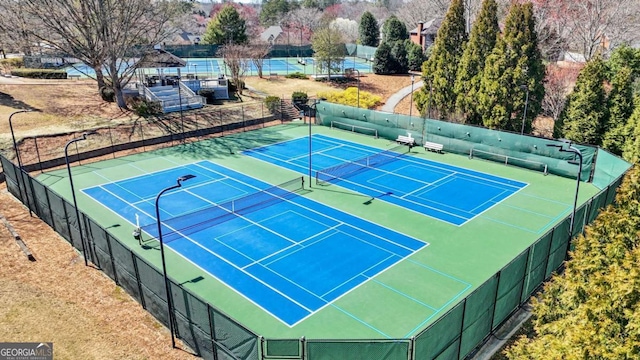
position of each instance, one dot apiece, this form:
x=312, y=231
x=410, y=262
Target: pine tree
x=415, y=55
x=369, y=31
x=583, y=118
x=399, y=54
x=383, y=62
x=394, y=30
x=620, y=107
x=471, y=70
x=592, y=311
x=513, y=74
x=441, y=69
x=631, y=147
x=226, y=28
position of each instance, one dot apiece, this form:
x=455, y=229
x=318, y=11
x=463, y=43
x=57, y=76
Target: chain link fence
x=214, y=335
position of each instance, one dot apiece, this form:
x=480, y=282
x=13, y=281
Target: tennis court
x=205, y=67
x=411, y=254
x=238, y=229
x=444, y=192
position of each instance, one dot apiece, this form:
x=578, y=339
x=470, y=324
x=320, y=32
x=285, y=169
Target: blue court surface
x=448, y=193
x=287, y=254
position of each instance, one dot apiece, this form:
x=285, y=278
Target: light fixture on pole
x=526, y=102
x=164, y=266
x=15, y=148
x=413, y=78
x=576, y=151
x=73, y=193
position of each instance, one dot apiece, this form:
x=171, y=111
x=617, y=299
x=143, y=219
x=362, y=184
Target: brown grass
x=58, y=299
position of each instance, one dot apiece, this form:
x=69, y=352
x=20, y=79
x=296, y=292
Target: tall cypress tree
x=585, y=114
x=228, y=27
x=471, y=70
x=369, y=31
x=513, y=75
x=631, y=147
x=441, y=69
x=394, y=30
x=591, y=310
x=620, y=107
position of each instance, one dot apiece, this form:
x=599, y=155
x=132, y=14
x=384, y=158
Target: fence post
x=138, y=282
x=212, y=329
x=495, y=301
x=35, y=142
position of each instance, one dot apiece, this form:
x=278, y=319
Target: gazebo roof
x=158, y=58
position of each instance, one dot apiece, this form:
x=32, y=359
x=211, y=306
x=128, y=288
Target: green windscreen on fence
x=358, y=350
x=608, y=168
x=361, y=51
x=477, y=142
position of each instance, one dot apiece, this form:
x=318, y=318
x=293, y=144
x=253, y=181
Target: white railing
x=354, y=128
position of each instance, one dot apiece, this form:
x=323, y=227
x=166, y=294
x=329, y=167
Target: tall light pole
x=576, y=151
x=358, y=71
x=15, y=148
x=164, y=266
x=413, y=78
x=526, y=102
x=314, y=107
x=73, y=193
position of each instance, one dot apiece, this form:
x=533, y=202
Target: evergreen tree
x=226, y=28
x=369, y=31
x=442, y=66
x=399, y=55
x=415, y=55
x=471, y=70
x=513, y=74
x=592, y=310
x=383, y=62
x=631, y=148
x=273, y=11
x=394, y=30
x=620, y=107
x=624, y=56
x=583, y=118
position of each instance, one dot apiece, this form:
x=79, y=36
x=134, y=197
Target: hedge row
x=40, y=73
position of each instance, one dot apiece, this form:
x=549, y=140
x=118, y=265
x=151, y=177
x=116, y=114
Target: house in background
x=425, y=33
x=273, y=35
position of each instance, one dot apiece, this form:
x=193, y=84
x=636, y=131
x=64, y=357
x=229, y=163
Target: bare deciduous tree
x=592, y=26
x=257, y=52
x=104, y=33
x=236, y=58
x=557, y=85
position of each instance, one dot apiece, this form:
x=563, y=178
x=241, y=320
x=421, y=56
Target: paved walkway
x=395, y=99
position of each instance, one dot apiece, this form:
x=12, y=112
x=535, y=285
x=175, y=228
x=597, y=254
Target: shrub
x=272, y=103
x=350, y=97
x=144, y=108
x=299, y=96
x=296, y=75
x=40, y=73
x=11, y=63
x=107, y=94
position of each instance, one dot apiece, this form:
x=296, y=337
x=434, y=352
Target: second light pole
x=73, y=193
x=413, y=78
x=164, y=266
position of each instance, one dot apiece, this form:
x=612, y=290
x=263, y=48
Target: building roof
x=429, y=27
x=158, y=58
x=271, y=33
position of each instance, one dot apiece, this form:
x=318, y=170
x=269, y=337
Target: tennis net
x=195, y=221
x=350, y=168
